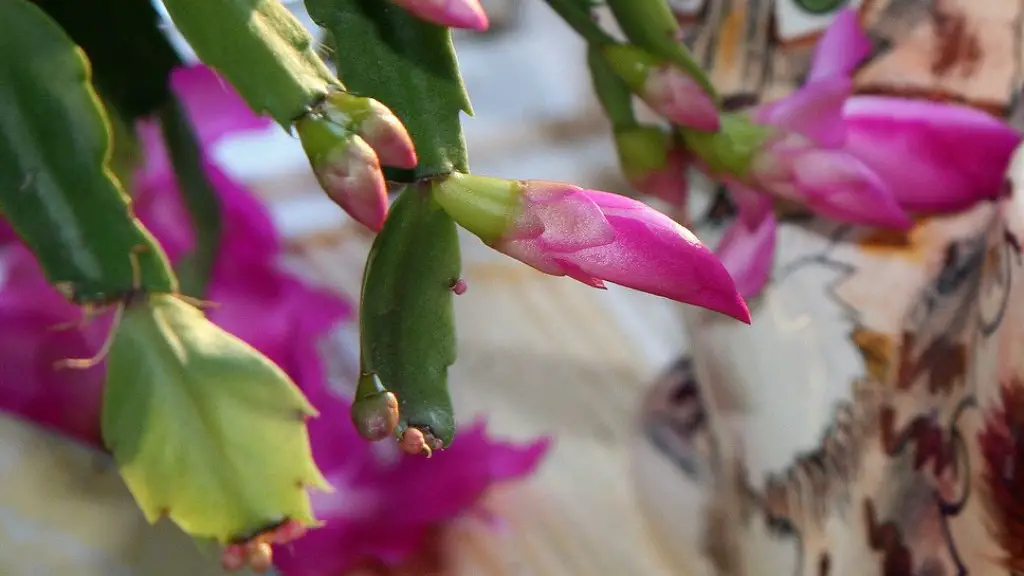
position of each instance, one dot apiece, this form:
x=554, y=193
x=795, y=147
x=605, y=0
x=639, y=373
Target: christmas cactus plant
x=212, y=433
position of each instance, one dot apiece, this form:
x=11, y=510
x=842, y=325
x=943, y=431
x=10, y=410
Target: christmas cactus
x=206, y=426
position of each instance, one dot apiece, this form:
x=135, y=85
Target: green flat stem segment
x=260, y=48
x=407, y=319
x=56, y=187
x=578, y=15
x=615, y=95
x=204, y=429
x=384, y=52
x=651, y=25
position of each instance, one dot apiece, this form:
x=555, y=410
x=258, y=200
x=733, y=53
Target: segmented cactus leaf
x=56, y=188
x=407, y=320
x=203, y=428
x=262, y=50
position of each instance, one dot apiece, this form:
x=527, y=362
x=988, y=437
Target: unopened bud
x=261, y=557
x=346, y=168
x=376, y=124
x=459, y=287
x=415, y=441
x=234, y=557
x=374, y=410
x=665, y=87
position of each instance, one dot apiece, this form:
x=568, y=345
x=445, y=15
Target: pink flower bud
x=467, y=14
x=376, y=124
x=592, y=237
x=666, y=88
x=347, y=169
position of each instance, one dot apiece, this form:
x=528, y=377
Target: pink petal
x=841, y=49
x=563, y=217
x=747, y=253
x=814, y=111
x=468, y=14
x=935, y=157
x=248, y=231
x=753, y=205
x=213, y=105
x=654, y=254
x=838, y=186
x=63, y=400
x=385, y=504
x=214, y=109
x=671, y=92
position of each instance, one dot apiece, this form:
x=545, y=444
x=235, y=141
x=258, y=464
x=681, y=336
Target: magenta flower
x=959, y=154
x=863, y=159
x=385, y=504
x=592, y=237
x=467, y=14
x=803, y=159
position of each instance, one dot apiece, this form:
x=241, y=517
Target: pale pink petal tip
x=654, y=254
x=386, y=134
x=747, y=252
x=467, y=14
x=839, y=186
x=841, y=49
x=960, y=153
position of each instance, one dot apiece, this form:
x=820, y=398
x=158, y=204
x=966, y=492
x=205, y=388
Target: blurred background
x=537, y=355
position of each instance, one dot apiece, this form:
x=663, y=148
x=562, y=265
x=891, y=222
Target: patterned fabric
x=869, y=422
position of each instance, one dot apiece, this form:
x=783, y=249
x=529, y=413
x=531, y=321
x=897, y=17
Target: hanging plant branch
x=260, y=48
x=56, y=188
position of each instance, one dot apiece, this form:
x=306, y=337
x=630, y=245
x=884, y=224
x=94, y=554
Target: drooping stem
x=581, y=20
x=615, y=96
x=651, y=25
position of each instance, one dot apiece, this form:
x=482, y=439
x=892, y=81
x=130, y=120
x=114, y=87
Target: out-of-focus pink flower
x=804, y=160
x=867, y=159
x=272, y=310
x=666, y=88
x=385, y=504
x=592, y=237
x=935, y=157
x=67, y=401
x=467, y=14
x=747, y=248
